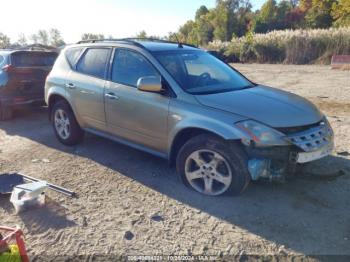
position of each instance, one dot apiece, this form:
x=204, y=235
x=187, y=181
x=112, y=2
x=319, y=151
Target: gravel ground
x=131, y=203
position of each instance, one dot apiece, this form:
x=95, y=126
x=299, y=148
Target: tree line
x=229, y=19
x=234, y=18
x=50, y=37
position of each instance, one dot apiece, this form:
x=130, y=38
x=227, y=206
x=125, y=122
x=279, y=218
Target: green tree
x=56, y=39
x=91, y=36
x=22, y=40
x=34, y=38
x=230, y=18
x=4, y=41
x=244, y=16
x=188, y=33
x=319, y=14
x=43, y=37
x=267, y=17
x=305, y=4
x=203, y=10
x=341, y=13
x=204, y=29
x=142, y=34
x=221, y=22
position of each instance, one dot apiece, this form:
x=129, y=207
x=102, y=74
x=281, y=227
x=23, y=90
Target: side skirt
x=127, y=143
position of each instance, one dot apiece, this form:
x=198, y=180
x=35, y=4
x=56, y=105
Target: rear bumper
x=20, y=101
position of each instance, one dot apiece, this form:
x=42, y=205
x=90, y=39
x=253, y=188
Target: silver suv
x=182, y=104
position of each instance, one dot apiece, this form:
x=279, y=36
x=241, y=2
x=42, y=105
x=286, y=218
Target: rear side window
x=27, y=59
x=94, y=62
x=73, y=55
x=129, y=66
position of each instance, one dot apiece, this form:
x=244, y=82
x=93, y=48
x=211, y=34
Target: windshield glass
x=198, y=72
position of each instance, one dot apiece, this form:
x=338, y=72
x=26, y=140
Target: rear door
x=85, y=86
x=28, y=73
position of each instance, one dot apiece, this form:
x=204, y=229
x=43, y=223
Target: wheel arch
x=53, y=99
x=185, y=135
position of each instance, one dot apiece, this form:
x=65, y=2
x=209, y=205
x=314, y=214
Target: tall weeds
x=288, y=46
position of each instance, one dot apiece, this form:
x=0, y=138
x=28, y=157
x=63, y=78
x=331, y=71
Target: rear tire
x=65, y=125
x=211, y=166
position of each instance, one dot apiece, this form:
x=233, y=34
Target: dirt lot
x=132, y=203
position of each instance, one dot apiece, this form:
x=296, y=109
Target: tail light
x=8, y=68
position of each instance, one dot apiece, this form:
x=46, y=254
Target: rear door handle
x=71, y=86
x=112, y=96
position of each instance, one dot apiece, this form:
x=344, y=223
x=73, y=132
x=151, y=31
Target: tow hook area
x=263, y=168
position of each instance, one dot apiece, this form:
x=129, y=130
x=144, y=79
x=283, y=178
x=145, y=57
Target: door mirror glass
x=150, y=84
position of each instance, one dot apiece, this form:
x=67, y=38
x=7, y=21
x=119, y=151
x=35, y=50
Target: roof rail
x=159, y=40
x=130, y=41
x=135, y=41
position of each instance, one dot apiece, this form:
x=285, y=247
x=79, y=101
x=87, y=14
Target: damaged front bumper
x=277, y=162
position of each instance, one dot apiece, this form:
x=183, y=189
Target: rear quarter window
x=94, y=62
x=28, y=59
x=73, y=54
x=2, y=60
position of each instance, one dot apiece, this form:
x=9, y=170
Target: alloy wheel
x=208, y=172
x=62, y=124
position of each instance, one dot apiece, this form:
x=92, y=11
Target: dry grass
x=288, y=46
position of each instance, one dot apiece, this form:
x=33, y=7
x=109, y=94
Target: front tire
x=210, y=166
x=65, y=125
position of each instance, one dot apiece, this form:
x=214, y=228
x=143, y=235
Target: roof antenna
x=178, y=42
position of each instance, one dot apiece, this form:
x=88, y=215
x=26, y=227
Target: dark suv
x=22, y=78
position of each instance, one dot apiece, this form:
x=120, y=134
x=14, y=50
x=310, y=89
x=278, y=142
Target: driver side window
x=128, y=66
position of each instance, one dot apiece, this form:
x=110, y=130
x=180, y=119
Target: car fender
x=213, y=121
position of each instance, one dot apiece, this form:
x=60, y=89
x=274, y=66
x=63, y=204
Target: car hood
x=271, y=106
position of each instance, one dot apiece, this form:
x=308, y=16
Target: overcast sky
x=119, y=18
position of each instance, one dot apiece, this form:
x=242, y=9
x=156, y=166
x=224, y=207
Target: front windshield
x=198, y=72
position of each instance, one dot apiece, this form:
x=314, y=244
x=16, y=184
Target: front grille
x=297, y=129
x=312, y=139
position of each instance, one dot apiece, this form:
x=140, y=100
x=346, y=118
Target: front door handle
x=112, y=96
x=71, y=86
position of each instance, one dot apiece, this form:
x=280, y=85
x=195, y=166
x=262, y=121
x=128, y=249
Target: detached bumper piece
x=273, y=164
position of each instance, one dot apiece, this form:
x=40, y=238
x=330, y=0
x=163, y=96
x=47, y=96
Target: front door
x=140, y=117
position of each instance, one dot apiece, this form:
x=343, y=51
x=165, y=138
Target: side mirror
x=150, y=84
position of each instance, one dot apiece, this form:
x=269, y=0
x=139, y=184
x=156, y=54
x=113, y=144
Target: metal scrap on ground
x=9, y=181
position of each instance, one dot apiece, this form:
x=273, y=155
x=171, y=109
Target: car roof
x=5, y=52
x=12, y=51
x=150, y=45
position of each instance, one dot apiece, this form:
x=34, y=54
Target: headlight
x=262, y=135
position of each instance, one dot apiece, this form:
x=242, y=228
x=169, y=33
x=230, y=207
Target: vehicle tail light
x=8, y=68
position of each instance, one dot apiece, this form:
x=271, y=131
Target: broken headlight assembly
x=261, y=134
